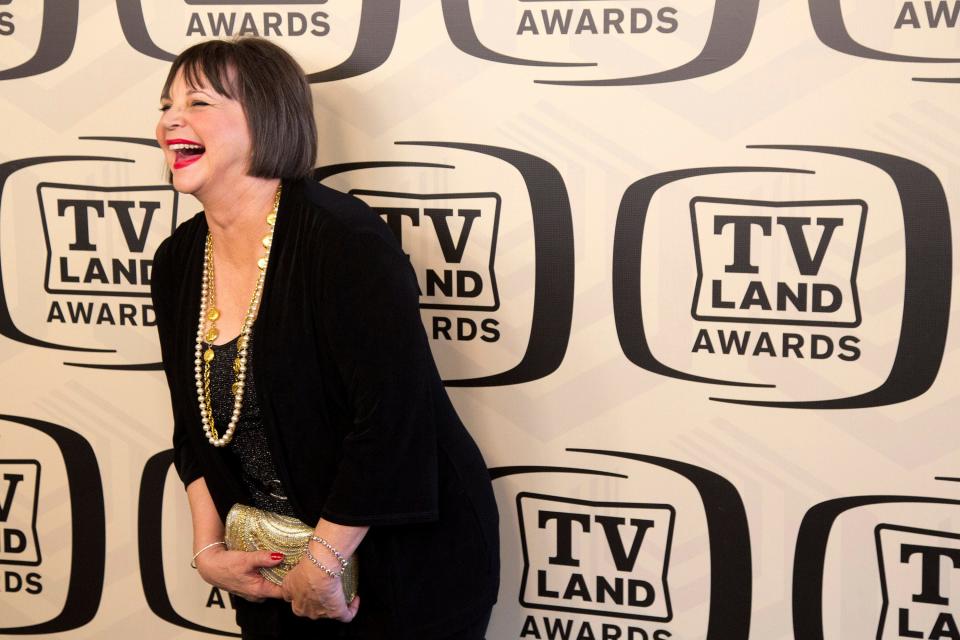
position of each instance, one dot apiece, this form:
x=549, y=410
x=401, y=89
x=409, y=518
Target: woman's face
x=204, y=136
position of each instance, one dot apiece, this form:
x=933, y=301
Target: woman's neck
x=237, y=216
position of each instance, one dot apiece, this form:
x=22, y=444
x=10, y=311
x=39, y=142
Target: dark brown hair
x=275, y=96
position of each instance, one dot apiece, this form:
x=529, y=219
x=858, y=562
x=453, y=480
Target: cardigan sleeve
x=387, y=472
x=162, y=292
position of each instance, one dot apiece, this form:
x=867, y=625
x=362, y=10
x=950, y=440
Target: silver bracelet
x=193, y=561
x=332, y=574
x=343, y=562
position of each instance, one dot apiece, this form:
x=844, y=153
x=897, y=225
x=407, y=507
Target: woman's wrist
x=344, y=538
x=205, y=548
x=325, y=557
x=341, y=559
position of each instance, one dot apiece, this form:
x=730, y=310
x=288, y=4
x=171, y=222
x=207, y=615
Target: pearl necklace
x=210, y=314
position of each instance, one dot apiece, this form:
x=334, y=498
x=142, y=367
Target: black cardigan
x=360, y=425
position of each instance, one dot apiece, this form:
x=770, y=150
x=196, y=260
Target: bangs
x=212, y=63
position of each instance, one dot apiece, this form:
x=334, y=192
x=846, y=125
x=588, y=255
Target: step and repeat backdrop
x=686, y=268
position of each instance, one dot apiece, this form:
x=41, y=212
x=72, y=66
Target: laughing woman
x=301, y=379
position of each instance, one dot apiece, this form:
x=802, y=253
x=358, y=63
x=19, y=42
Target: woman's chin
x=184, y=184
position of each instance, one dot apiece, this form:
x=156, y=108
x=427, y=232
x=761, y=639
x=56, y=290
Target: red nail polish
x=276, y=555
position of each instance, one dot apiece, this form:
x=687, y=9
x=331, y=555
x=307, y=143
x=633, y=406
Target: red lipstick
x=184, y=158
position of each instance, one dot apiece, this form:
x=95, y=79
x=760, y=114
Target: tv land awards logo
x=778, y=278
x=913, y=545
x=659, y=35
x=37, y=482
x=587, y=550
x=248, y=23
x=163, y=517
x=919, y=574
x=634, y=20
x=774, y=304
x=353, y=38
x=452, y=224
x=470, y=281
x=77, y=221
x=914, y=31
x=633, y=538
x=52, y=24
x=81, y=263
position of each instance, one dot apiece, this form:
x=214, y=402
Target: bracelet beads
x=330, y=572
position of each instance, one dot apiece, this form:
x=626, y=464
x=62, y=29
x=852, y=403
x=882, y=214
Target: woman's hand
x=236, y=572
x=314, y=594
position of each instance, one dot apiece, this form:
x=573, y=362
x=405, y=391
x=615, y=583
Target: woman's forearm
x=207, y=526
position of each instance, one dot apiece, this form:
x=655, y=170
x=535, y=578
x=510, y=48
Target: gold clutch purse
x=252, y=529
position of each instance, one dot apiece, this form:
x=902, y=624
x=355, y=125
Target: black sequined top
x=249, y=446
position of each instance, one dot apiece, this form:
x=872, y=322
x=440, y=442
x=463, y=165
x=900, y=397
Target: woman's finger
x=345, y=612
x=354, y=606
x=257, y=559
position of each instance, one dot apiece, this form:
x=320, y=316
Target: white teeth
x=183, y=146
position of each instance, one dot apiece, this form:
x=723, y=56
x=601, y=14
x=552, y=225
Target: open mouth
x=186, y=152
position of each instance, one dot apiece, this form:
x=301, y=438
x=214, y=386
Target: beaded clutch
x=252, y=529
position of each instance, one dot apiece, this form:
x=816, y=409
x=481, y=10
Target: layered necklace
x=207, y=333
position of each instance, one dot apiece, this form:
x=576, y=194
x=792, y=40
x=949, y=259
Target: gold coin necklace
x=207, y=333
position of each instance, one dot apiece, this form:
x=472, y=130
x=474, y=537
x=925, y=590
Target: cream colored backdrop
x=686, y=267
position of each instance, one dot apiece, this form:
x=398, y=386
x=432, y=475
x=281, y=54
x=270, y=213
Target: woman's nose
x=171, y=118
